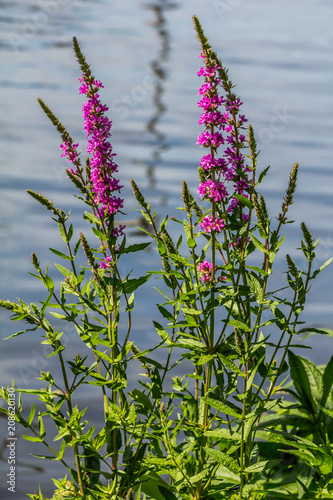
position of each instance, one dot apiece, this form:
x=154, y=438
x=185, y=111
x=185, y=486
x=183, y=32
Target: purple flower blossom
x=212, y=118
x=241, y=185
x=236, y=104
x=208, y=224
x=209, y=71
x=205, y=270
x=206, y=139
x=208, y=163
x=106, y=263
x=210, y=103
x=213, y=190
x=70, y=150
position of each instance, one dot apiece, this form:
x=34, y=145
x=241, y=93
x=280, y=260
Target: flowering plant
x=223, y=430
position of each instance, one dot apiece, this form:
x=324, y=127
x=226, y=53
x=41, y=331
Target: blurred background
x=279, y=54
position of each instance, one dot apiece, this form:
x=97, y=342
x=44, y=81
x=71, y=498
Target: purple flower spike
x=102, y=164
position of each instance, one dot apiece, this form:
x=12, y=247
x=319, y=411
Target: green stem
x=70, y=410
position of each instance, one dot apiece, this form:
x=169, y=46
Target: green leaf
x=161, y=247
x=34, y=439
x=131, y=285
x=58, y=315
x=308, y=380
x=49, y=283
x=327, y=381
x=255, y=287
x=141, y=398
x=70, y=233
x=32, y=414
x=162, y=333
x=263, y=174
x=218, y=405
x=99, y=234
x=60, y=254
x=150, y=484
x=166, y=494
x=326, y=264
x=191, y=312
x=20, y=333
x=240, y=325
x=198, y=477
x=92, y=218
x=319, y=331
x=41, y=427
x=258, y=244
x=260, y=466
x=258, y=270
x=192, y=344
x=230, y=364
x=62, y=232
x=222, y=434
x=223, y=459
x=191, y=243
x=64, y=271
x=166, y=314
x=244, y=200
x=135, y=248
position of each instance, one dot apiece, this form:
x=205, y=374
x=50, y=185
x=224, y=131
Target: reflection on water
x=158, y=66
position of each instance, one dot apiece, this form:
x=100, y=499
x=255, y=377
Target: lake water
x=146, y=55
